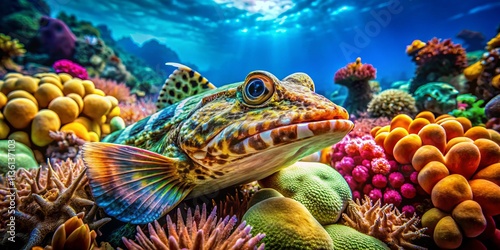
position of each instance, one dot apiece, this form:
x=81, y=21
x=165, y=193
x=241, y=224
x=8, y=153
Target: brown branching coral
x=198, y=231
x=66, y=145
x=44, y=199
x=10, y=48
x=385, y=223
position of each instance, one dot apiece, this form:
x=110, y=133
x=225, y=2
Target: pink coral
x=380, y=166
x=118, y=90
x=396, y=179
x=379, y=181
x=408, y=191
x=392, y=196
x=375, y=194
x=360, y=173
x=72, y=68
x=408, y=210
x=355, y=71
x=355, y=76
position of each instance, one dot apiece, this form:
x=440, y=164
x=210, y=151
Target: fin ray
x=129, y=182
x=182, y=83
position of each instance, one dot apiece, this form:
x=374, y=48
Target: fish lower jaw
x=263, y=164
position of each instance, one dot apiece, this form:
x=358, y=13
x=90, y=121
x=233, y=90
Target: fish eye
x=257, y=90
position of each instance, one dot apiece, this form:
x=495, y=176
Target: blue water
x=226, y=39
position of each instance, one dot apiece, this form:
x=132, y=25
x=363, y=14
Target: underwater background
x=411, y=98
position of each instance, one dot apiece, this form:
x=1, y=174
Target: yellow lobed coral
x=414, y=46
x=10, y=48
x=391, y=102
x=48, y=101
x=493, y=43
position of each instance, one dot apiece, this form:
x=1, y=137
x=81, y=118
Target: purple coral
x=57, y=39
x=69, y=67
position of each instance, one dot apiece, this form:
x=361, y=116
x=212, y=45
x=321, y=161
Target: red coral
x=72, y=68
x=355, y=71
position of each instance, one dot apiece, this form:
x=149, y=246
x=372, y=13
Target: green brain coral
x=348, y=238
x=287, y=225
x=320, y=188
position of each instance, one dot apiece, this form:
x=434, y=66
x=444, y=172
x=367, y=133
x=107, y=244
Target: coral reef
x=414, y=47
x=488, y=81
x=66, y=145
x=112, y=88
x=57, y=102
x=471, y=108
x=198, y=231
x=364, y=124
x=473, y=40
x=69, y=67
x=391, y=102
x=493, y=43
x=355, y=76
x=385, y=223
x=9, y=48
x=45, y=198
x=321, y=189
x=57, y=39
x=438, y=60
x=447, y=152
x=437, y=97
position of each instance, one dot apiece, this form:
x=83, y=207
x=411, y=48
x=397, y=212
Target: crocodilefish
x=204, y=139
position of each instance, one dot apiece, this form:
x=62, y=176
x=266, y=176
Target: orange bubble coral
x=490, y=152
x=392, y=138
x=417, y=124
x=433, y=134
x=455, y=141
x=431, y=174
x=431, y=218
x=402, y=121
x=487, y=194
x=426, y=115
x=453, y=129
x=424, y=155
x=466, y=123
x=450, y=191
x=477, y=132
x=490, y=173
x=463, y=159
x=406, y=147
x=380, y=138
x=470, y=218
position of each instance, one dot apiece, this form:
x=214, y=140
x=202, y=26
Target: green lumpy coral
x=287, y=225
x=320, y=188
x=15, y=155
x=437, y=97
x=348, y=238
x=471, y=108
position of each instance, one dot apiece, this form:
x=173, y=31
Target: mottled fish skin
x=222, y=137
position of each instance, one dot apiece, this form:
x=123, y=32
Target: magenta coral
x=408, y=210
x=380, y=166
x=355, y=76
x=379, y=181
x=72, y=68
x=408, y=191
x=392, y=196
x=375, y=194
x=355, y=71
x=396, y=179
x=360, y=173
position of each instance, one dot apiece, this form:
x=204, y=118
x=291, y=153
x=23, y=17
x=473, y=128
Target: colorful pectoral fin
x=132, y=184
x=183, y=82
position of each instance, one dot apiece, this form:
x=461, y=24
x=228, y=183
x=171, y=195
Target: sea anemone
x=198, y=231
x=385, y=223
x=133, y=112
x=119, y=90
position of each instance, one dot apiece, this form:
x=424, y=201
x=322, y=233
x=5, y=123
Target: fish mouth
x=284, y=135
x=330, y=131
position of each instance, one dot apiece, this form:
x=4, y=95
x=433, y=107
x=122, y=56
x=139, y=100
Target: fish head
x=263, y=120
